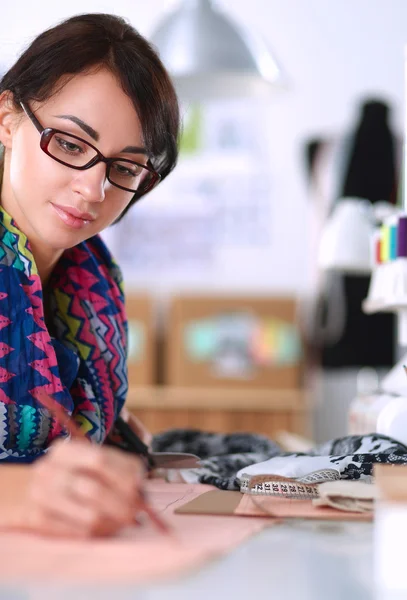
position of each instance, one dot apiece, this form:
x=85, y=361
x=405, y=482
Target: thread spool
x=385, y=244
x=402, y=237
x=393, y=241
x=376, y=241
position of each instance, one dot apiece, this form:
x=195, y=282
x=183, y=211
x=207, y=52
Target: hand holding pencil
x=79, y=489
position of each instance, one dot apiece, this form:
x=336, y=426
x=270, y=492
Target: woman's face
x=42, y=194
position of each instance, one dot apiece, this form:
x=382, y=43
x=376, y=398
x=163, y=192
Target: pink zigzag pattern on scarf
x=81, y=277
x=5, y=349
x=42, y=341
x=117, y=364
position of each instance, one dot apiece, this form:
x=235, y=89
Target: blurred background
x=235, y=321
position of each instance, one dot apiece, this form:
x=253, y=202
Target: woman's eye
x=70, y=147
x=122, y=170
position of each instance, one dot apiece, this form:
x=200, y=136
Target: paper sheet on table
x=217, y=502
x=138, y=555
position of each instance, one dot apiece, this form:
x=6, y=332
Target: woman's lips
x=72, y=217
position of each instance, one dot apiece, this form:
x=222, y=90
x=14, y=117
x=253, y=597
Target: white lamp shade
x=208, y=56
x=346, y=240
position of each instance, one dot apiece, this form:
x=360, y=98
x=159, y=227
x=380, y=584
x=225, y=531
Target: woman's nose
x=90, y=183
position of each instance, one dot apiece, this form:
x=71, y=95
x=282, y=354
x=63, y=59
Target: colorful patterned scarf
x=83, y=367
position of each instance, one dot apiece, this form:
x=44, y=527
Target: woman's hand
x=81, y=490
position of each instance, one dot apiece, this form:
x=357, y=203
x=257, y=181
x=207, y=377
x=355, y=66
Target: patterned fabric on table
x=226, y=456
x=83, y=368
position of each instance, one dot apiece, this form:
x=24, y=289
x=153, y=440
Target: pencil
x=61, y=416
x=74, y=430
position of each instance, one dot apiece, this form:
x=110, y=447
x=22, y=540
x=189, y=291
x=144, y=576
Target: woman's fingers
x=68, y=505
x=124, y=473
x=63, y=522
x=47, y=523
x=91, y=492
x=121, y=472
x=84, y=489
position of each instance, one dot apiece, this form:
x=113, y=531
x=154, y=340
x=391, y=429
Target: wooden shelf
x=231, y=399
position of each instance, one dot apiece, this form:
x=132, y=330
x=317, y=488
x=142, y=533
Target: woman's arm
x=14, y=483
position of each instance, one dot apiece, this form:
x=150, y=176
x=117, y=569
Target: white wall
x=334, y=52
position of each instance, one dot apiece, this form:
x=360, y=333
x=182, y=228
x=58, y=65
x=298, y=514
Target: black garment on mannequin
x=370, y=173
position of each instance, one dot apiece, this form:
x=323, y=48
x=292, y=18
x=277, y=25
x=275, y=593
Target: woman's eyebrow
x=136, y=150
x=95, y=135
x=86, y=128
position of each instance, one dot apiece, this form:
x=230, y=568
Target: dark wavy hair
x=90, y=41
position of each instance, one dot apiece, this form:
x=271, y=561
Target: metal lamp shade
x=209, y=56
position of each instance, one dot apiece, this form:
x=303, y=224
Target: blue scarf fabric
x=83, y=367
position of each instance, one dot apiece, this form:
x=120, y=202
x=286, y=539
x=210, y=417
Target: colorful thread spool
x=402, y=237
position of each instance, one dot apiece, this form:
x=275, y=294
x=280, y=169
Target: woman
x=89, y=124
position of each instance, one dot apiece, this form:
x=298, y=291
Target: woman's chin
x=61, y=239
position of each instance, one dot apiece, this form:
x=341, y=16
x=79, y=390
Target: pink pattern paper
x=139, y=554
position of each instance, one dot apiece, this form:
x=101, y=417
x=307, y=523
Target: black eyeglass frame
x=47, y=134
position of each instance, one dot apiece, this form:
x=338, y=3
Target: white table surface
x=295, y=560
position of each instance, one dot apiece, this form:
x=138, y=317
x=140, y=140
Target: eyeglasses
x=74, y=152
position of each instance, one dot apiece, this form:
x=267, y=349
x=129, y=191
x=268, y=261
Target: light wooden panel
x=141, y=368
x=269, y=423
x=203, y=398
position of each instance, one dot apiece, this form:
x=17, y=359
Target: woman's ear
x=8, y=117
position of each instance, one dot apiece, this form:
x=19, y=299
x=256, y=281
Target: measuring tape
x=304, y=488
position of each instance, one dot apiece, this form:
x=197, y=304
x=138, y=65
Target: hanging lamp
x=209, y=56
